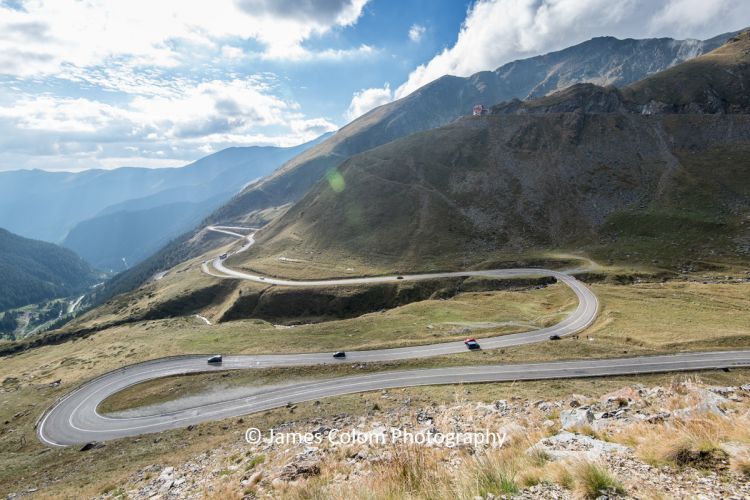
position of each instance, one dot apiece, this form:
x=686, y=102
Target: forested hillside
x=32, y=271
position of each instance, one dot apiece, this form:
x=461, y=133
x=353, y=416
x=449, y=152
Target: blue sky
x=108, y=83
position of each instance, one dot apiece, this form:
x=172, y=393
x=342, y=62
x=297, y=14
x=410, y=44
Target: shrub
x=594, y=480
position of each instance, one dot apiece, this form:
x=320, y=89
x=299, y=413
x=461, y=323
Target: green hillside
x=603, y=59
x=32, y=271
x=667, y=188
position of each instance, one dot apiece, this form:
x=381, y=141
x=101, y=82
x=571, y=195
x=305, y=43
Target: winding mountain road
x=74, y=419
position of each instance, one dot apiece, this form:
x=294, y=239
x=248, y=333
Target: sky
x=159, y=83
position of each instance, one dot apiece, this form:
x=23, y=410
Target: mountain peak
x=606, y=61
x=711, y=83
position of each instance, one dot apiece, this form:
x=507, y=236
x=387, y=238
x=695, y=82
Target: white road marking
x=204, y=319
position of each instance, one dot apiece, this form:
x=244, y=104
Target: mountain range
x=101, y=213
x=655, y=172
x=602, y=60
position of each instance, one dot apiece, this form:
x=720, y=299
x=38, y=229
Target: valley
x=605, y=60
x=567, y=265
x=34, y=318
x=644, y=319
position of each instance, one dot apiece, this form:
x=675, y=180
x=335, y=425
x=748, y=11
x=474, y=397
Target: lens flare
x=335, y=180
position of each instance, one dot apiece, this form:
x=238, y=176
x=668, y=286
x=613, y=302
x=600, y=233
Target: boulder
x=299, y=470
x=624, y=395
x=570, y=446
x=707, y=402
x=93, y=445
x=579, y=417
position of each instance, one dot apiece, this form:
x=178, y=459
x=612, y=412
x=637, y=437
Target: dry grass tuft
x=410, y=472
x=560, y=473
x=695, y=440
x=225, y=490
x=593, y=480
x=495, y=474
x=741, y=465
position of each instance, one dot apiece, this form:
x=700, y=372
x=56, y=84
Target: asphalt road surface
x=74, y=418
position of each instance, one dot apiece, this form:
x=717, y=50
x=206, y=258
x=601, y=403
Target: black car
x=215, y=360
x=554, y=337
x=399, y=277
x=339, y=354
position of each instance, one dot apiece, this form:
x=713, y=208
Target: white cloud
x=48, y=36
x=367, y=99
x=499, y=31
x=230, y=52
x=70, y=115
x=313, y=127
x=157, y=130
x=302, y=54
x=213, y=107
x=416, y=32
x=322, y=12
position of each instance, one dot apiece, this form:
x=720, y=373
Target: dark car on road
x=339, y=354
x=554, y=337
x=215, y=360
x=471, y=343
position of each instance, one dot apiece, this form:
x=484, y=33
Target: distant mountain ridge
x=121, y=239
x=604, y=60
x=656, y=172
x=64, y=207
x=32, y=271
x=712, y=83
x=436, y=104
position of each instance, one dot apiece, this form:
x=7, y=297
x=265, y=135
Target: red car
x=471, y=343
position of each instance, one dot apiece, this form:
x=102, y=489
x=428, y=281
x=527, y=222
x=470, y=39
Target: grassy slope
x=640, y=319
x=635, y=320
x=513, y=187
x=718, y=78
x=705, y=217
x=622, y=186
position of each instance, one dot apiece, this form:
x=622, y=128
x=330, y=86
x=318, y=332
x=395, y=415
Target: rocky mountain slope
x=636, y=442
x=32, y=271
x=656, y=171
x=714, y=83
x=604, y=61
